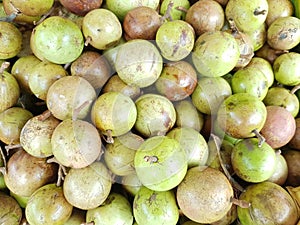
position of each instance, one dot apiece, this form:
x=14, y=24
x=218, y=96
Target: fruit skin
x=175, y=39
x=215, y=45
x=33, y=7
x=156, y=115
x=174, y=13
x=204, y=195
x=286, y=67
x=11, y=212
x=115, y=210
x=138, y=62
x=252, y=163
x=155, y=207
x=10, y=39
x=104, y=33
x=75, y=143
x=284, y=33
x=88, y=187
x=114, y=113
x=160, y=163
x=270, y=204
x=79, y=7
x=247, y=15
x=57, y=39
x=240, y=114
x=279, y=128
x=47, y=205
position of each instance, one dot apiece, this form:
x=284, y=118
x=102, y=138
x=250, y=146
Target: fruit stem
x=44, y=16
x=9, y=147
x=234, y=183
x=87, y=41
x=109, y=139
x=261, y=138
x=78, y=109
x=241, y=203
x=3, y=157
x=182, y=9
x=4, y=66
x=168, y=12
x=294, y=89
x=62, y=172
x=10, y=18
x=45, y=115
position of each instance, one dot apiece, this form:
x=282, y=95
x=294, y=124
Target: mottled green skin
x=155, y=207
x=33, y=7
x=168, y=168
x=88, y=187
x=115, y=210
x=210, y=93
x=10, y=39
x=114, y=112
x=283, y=97
x=251, y=162
x=286, y=68
x=57, y=39
x=47, y=205
x=175, y=39
x=215, y=53
x=250, y=80
x=247, y=15
x=240, y=114
x=156, y=115
x=174, y=13
x=270, y=204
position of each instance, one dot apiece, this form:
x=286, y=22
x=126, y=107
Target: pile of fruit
x=149, y=112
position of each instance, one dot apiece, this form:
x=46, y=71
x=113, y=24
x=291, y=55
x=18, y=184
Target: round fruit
x=47, y=205
x=210, y=93
x=81, y=8
x=210, y=200
x=188, y=116
x=279, y=128
x=35, y=172
x=281, y=171
x=119, y=156
x=292, y=158
x=286, y=67
x=169, y=8
x=175, y=39
x=75, y=143
x=33, y=7
x=270, y=204
x=205, y=16
x=160, y=163
x=247, y=15
x=11, y=212
x=215, y=45
x=9, y=89
x=284, y=33
x=88, y=187
x=155, y=207
x=115, y=210
x=57, y=39
x=177, y=80
x=156, y=115
x=295, y=141
x=250, y=80
x=42, y=76
x=141, y=23
x=93, y=67
x=10, y=39
x=251, y=162
x=279, y=8
x=281, y=96
x=70, y=96
x=35, y=136
x=138, y=62
x=241, y=114
x=193, y=143
x=12, y=121
x=114, y=114
x=101, y=28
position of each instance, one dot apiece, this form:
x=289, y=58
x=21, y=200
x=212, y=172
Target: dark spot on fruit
x=231, y=105
x=282, y=36
x=240, y=154
x=248, y=145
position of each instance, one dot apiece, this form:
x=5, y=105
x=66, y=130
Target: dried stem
x=79, y=109
x=234, y=183
x=45, y=16
x=3, y=157
x=260, y=137
x=45, y=115
x=109, y=138
x=168, y=12
x=296, y=88
x=182, y=9
x=87, y=41
x=62, y=172
x=4, y=66
x=241, y=203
